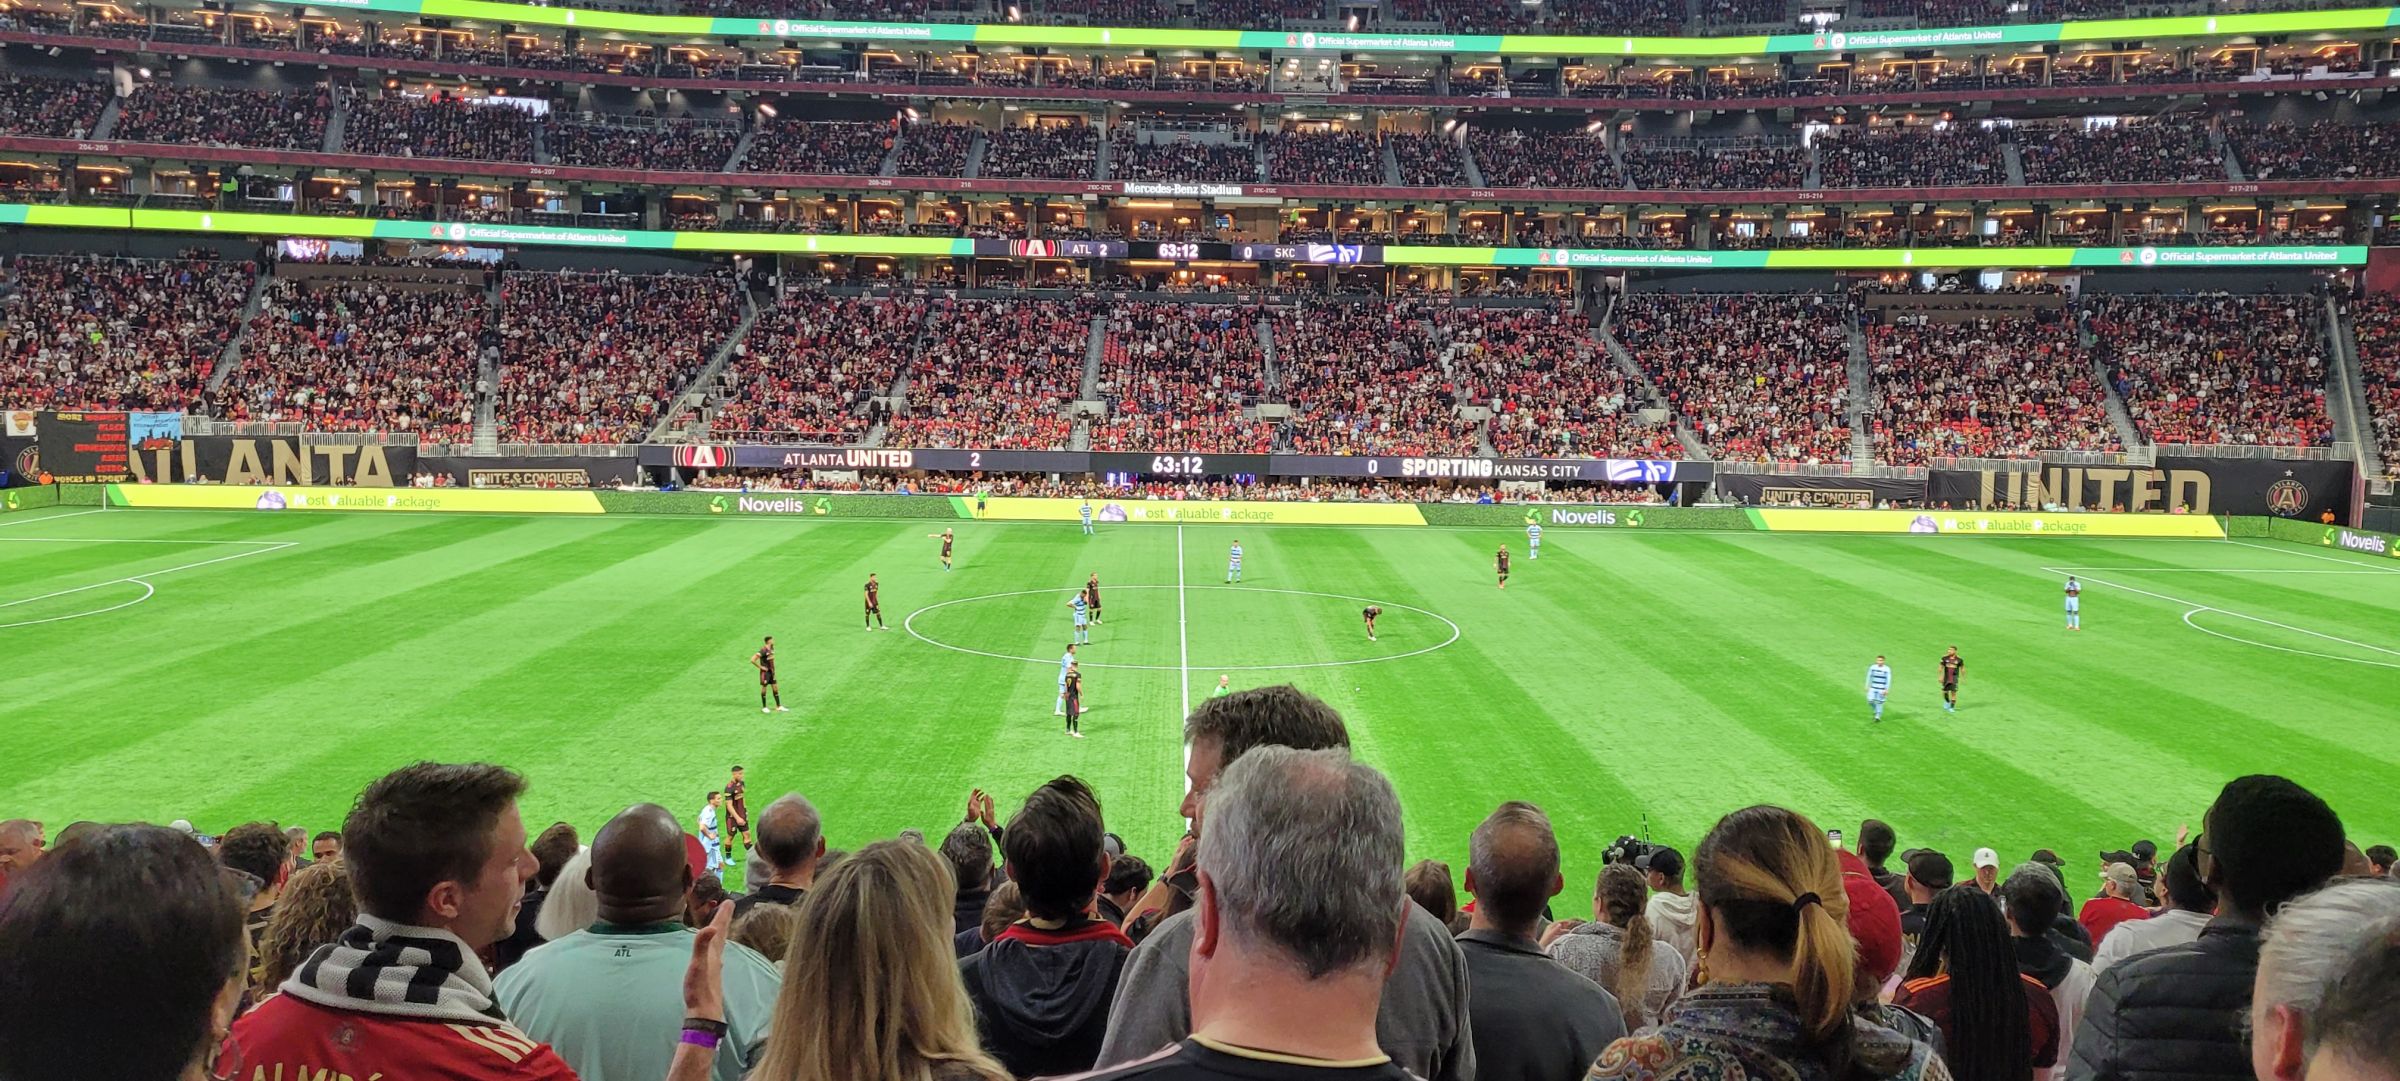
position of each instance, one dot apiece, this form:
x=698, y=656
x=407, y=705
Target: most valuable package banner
x=1985, y=523
x=400, y=500
x=1192, y=512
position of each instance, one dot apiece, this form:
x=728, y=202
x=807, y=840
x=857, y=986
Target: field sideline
x=223, y=666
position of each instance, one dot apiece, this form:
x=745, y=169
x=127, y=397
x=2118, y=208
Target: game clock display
x=1179, y=465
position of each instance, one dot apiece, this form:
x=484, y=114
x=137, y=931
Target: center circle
x=909, y=624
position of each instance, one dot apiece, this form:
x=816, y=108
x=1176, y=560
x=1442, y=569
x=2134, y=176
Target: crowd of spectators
x=1759, y=377
x=996, y=373
x=51, y=108
x=224, y=116
x=1367, y=378
x=665, y=146
x=438, y=127
x=2160, y=150
x=1727, y=168
x=598, y=357
x=813, y=364
x=1531, y=158
x=1323, y=157
x=1063, y=151
x=1177, y=377
x=116, y=333
x=1170, y=157
x=2375, y=323
x=1952, y=154
x=355, y=355
x=1429, y=161
x=2003, y=386
x=1553, y=391
x=2319, y=150
x=2216, y=368
x=1616, y=17
x=936, y=149
x=837, y=147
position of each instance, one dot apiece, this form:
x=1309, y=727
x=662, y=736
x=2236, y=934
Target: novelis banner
x=1194, y=512
x=1985, y=523
x=395, y=500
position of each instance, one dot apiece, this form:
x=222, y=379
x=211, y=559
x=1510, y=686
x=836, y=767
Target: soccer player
x=947, y=540
x=764, y=661
x=1533, y=537
x=710, y=841
x=737, y=813
x=1233, y=564
x=1086, y=511
x=1074, y=697
x=1951, y=663
x=982, y=495
x=1092, y=589
x=1879, y=684
x=2074, y=604
x=874, y=618
x=1501, y=562
x=1065, y=662
x=1083, y=618
x=1371, y=612
x=1224, y=687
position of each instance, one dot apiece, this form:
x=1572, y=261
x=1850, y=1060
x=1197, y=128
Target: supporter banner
x=302, y=225
x=2286, y=489
x=1192, y=512
x=1985, y=523
x=1602, y=470
x=1569, y=518
x=691, y=26
x=85, y=447
x=573, y=471
x=1765, y=489
x=282, y=459
x=406, y=500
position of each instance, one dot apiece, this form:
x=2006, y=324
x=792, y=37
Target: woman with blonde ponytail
x=1779, y=963
x=1618, y=951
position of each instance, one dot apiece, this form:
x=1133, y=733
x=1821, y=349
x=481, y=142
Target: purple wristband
x=698, y=1038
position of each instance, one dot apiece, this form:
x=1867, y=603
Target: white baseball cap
x=1985, y=857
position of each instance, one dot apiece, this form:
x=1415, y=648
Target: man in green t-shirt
x=1223, y=687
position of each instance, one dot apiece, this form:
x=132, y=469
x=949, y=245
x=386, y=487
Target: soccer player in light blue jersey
x=1533, y=537
x=1233, y=564
x=1879, y=684
x=1083, y=618
x=1065, y=662
x=1086, y=511
x=2074, y=604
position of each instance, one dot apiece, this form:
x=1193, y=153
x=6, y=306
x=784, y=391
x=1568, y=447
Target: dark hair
x=552, y=850
x=708, y=889
x=2359, y=1018
x=1512, y=860
x=257, y=849
x=117, y=948
x=968, y=851
x=422, y=825
x=1774, y=888
x=1428, y=884
x=1128, y=872
x=2271, y=841
x=327, y=835
x=1875, y=842
x=2382, y=855
x=1277, y=716
x=1052, y=845
x=2034, y=899
x=2185, y=889
x=1986, y=1035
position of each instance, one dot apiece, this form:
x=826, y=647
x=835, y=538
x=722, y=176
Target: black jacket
x=966, y=910
x=2174, y=1014
x=1041, y=996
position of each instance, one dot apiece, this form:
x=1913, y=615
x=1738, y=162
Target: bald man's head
x=1512, y=867
x=638, y=867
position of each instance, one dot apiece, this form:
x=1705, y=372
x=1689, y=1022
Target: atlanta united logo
x=2287, y=497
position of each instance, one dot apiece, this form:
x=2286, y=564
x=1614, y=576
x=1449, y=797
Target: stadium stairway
x=695, y=393
x=1694, y=449
x=2012, y=160
x=1391, y=164
x=1816, y=168
x=741, y=149
x=2346, y=391
x=2233, y=161
x=108, y=117
x=1474, y=169
x=486, y=437
x=2128, y=434
x=975, y=151
x=1618, y=159
x=1862, y=387
x=1266, y=344
x=337, y=120
x=231, y=358
x=1100, y=160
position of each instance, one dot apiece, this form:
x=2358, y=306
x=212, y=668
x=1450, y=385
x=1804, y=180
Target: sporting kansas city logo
x=2287, y=497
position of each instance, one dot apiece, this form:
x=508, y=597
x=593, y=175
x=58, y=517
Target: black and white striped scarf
x=396, y=970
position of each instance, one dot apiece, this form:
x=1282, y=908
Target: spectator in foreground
x=1533, y=1017
x=570, y=906
x=607, y=997
x=1874, y=924
x=1618, y=951
x=1875, y=843
x=2120, y=900
x=317, y=906
x=258, y=849
x=968, y=851
x=437, y=858
x=2380, y=859
x=95, y=991
x=791, y=840
x=766, y=929
x=1005, y=906
x=2033, y=901
x=1041, y=988
x=870, y=991
x=2343, y=937
x=1128, y=879
x=1284, y=989
x=551, y=853
x=2185, y=906
x=1997, y=1024
x=1929, y=873
x=20, y=846
x=327, y=845
x=1780, y=970
x=2177, y=1012
x=1674, y=914
x=1429, y=885
x=1423, y=1024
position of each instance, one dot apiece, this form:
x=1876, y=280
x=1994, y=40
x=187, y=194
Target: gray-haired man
x=2319, y=946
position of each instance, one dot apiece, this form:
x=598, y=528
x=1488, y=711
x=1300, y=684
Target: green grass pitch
x=225, y=666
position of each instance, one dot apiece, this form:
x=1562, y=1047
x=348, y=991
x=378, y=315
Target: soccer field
x=223, y=667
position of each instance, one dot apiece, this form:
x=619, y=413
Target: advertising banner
x=1595, y=470
x=400, y=500
x=1194, y=512
x=2363, y=541
x=23, y=499
x=780, y=504
x=571, y=471
x=1985, y=523
x=1769, y=489
x=2285, y=489
x=84, y=447
x=20, y=460
x=282, y=459
x=1571, y=517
